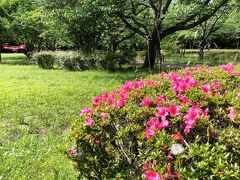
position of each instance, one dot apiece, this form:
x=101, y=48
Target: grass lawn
x=36, y=109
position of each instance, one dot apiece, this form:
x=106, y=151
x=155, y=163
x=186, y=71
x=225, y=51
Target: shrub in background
x=113, y=60
x=181, y=125
x=71, y=60
x=44, y=59
x=74, y=61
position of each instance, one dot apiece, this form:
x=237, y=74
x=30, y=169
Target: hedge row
x=73, y=61
x=181, y=125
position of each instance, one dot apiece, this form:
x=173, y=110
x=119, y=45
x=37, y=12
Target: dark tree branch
x=135, y=8
x=166, y=6
x=140, y=25
x=184, y=24
x=134, y=29
x=155, y=9
x=125, y=38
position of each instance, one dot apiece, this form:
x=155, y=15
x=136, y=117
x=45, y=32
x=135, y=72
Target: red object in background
x=14, y=48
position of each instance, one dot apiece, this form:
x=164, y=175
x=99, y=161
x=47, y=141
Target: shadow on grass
x=17, y=62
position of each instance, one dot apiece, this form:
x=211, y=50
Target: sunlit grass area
x=36, y=110
x=15, y=59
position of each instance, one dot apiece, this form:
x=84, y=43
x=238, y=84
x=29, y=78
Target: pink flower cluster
x=180, y=84
x=228, y=68
x=207, y=89
x=117, y=99
x=151, y=175
x=232, y=115
x=154, y=125
x=191, y=117
x=119, y=96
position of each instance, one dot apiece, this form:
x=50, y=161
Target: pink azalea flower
x=111, y=100
x=151, y=175
x=172, y=175
x=183, y=99
x=205, y=112
x=85, y=111
x=173, y=110
x=127, y=86
x=89, y=122
x=165, y=124
x=161, y=112
x=103, y=116
x=197, y=67
x=138, y=84
x=105, y=95
x=160, y=99
x=187, y=129
x=190, y=82
x=206, y=88
x=162, y=74
x=217, y=85
x=188, y=73
x=146, y=102
x=210, y=68
x=154, y=123
x=180, y=84
x=150, y=83
x=232, y=115
x=96, y=101
x=228, y=68
x=149, y=133
x=191, y=117
x=120, y=103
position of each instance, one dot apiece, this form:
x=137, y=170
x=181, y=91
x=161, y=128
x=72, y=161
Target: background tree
x=210, y=26
x=155, y=20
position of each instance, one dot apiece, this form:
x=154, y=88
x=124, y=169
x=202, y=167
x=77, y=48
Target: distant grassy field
x=215, y=50
x=213, y=57
x=36, y=109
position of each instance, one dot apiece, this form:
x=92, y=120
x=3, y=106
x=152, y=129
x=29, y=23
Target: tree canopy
x=112, y=25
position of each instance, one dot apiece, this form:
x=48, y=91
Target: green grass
x=36, y=110
x=15, y=56
x=215, y=50
x=15, y=59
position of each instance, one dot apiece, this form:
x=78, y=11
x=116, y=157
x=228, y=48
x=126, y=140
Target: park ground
x=37, y=107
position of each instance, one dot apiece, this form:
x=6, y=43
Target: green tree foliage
x=108, y=25
x=156, y=20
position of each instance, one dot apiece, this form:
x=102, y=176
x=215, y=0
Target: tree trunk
x=151, y=54
x=202, y=45
x=201, y=53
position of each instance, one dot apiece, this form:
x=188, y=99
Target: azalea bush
x=180, y=125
